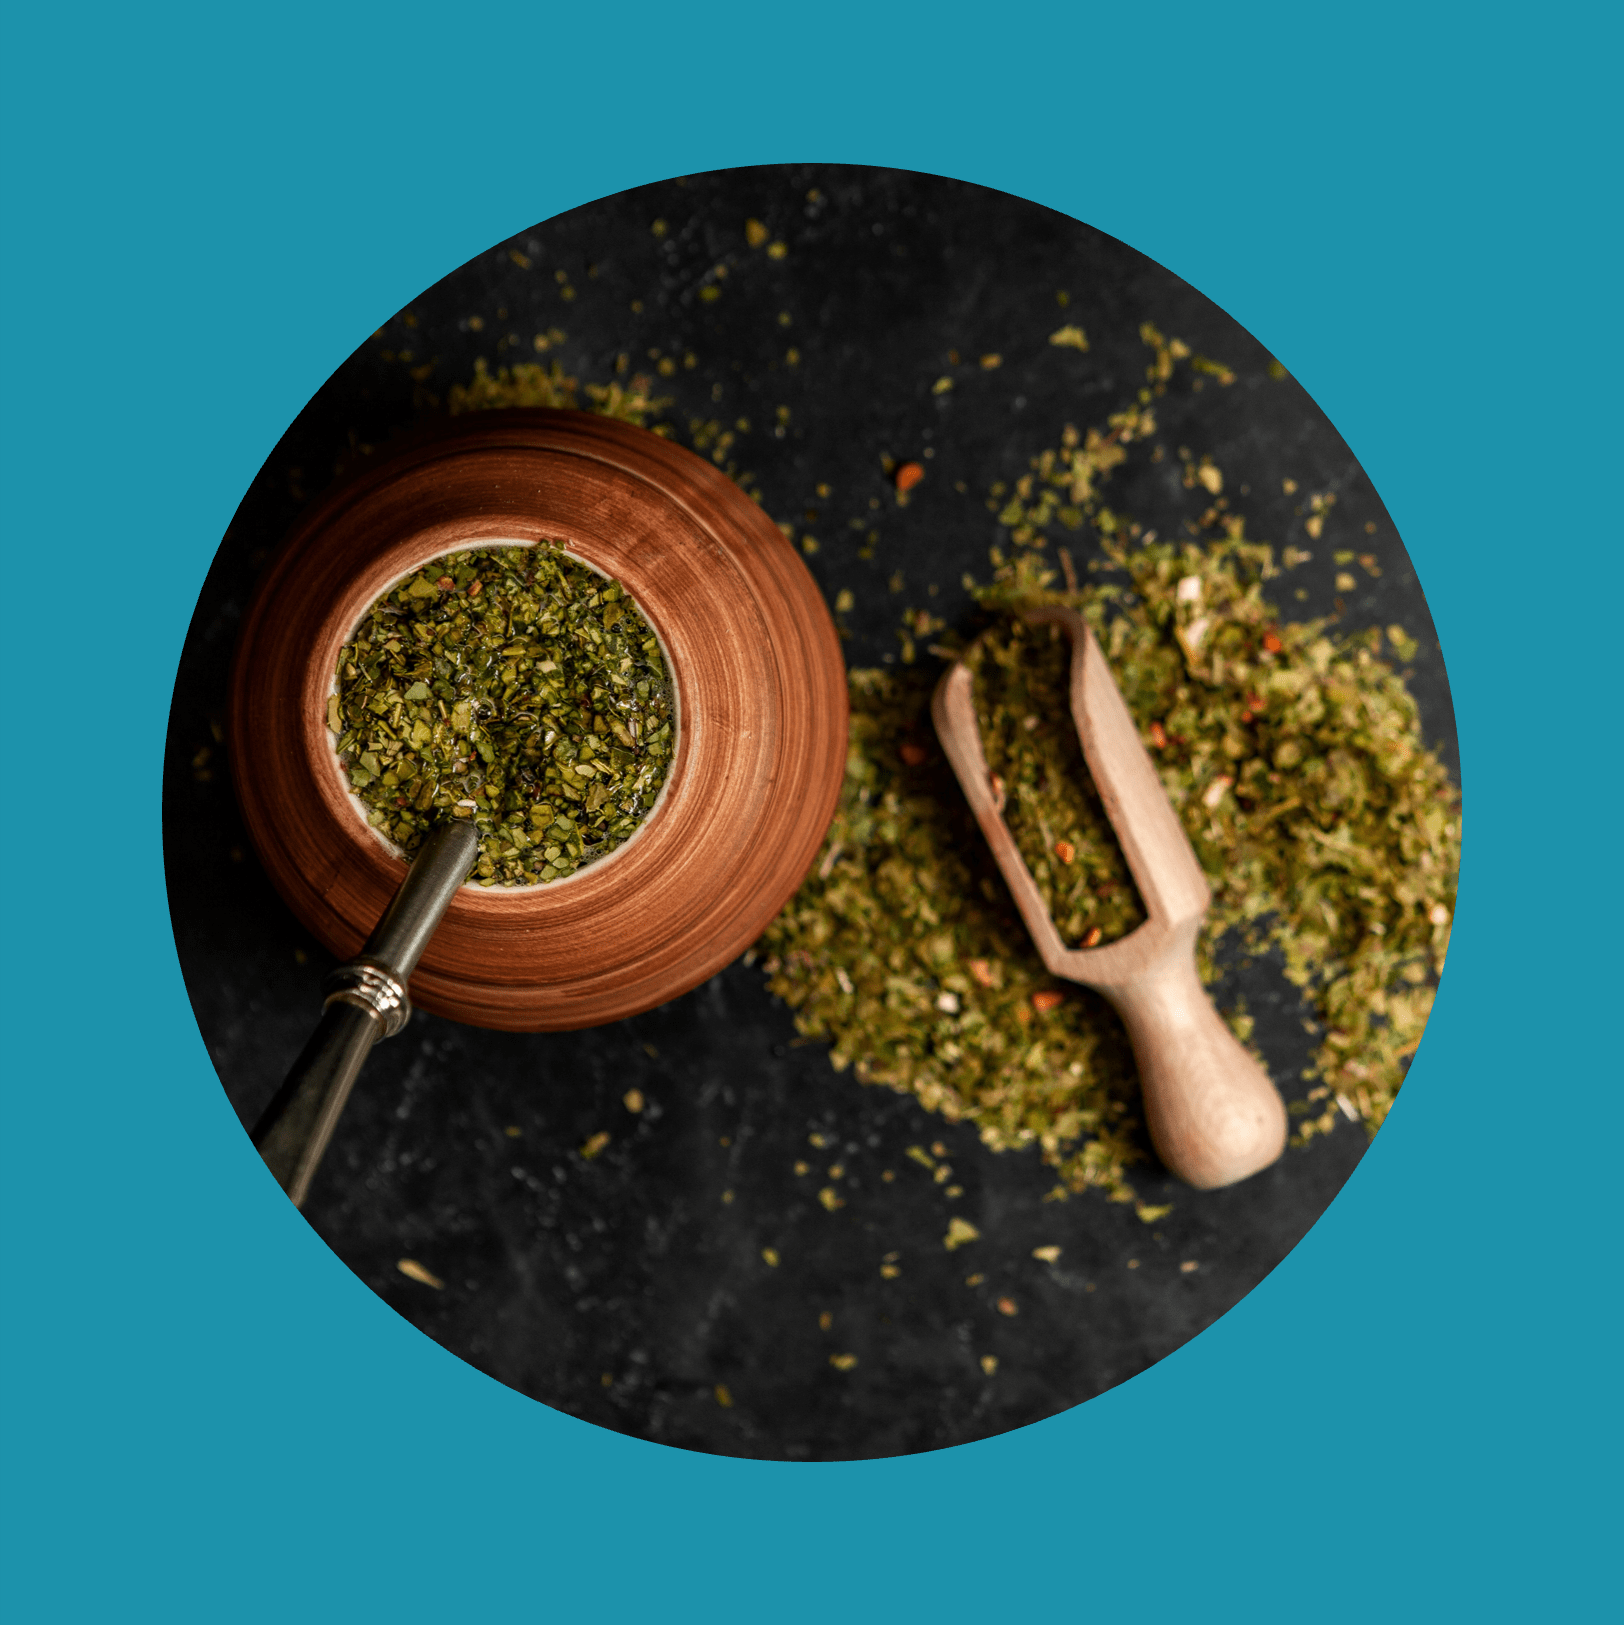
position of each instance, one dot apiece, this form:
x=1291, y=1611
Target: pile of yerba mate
x=1296, y=764
x=1293, y=754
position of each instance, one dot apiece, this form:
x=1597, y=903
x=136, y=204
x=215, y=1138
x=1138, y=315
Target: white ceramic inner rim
x=498, y=890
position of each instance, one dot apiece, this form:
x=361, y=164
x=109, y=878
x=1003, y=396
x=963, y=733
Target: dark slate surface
x=625, y=1289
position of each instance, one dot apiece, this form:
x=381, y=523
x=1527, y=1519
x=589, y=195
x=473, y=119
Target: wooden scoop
x=1213, y=1115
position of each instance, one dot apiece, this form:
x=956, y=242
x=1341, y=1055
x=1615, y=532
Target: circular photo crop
x=946, y=1151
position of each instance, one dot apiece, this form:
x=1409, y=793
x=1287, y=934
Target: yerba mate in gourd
x=513, y=686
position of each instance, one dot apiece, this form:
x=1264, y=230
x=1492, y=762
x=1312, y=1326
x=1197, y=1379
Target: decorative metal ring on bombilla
x=366, y=1001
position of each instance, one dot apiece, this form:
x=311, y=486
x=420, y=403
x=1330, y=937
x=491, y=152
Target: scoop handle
x=1213, y=1115
x=365, y=1001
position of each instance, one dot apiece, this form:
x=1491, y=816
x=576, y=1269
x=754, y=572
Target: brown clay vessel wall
x=760, y=699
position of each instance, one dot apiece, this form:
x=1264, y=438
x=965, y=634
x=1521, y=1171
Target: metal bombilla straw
x=366, y=1001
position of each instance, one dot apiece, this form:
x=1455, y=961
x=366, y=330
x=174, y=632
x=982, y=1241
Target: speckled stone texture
x=630, y=1288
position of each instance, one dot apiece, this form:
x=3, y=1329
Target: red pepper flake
x=445, y=583
x=981, y=969
x=909, y=475
x=1065, y=851
x=1158, y=736
x=1271, y=642
x=1007, y=1306
x=475, y=588
x=1093, y=937
x=1044, y=1002
x=912, y=754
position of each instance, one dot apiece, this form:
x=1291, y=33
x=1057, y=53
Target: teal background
x=205, y=1416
